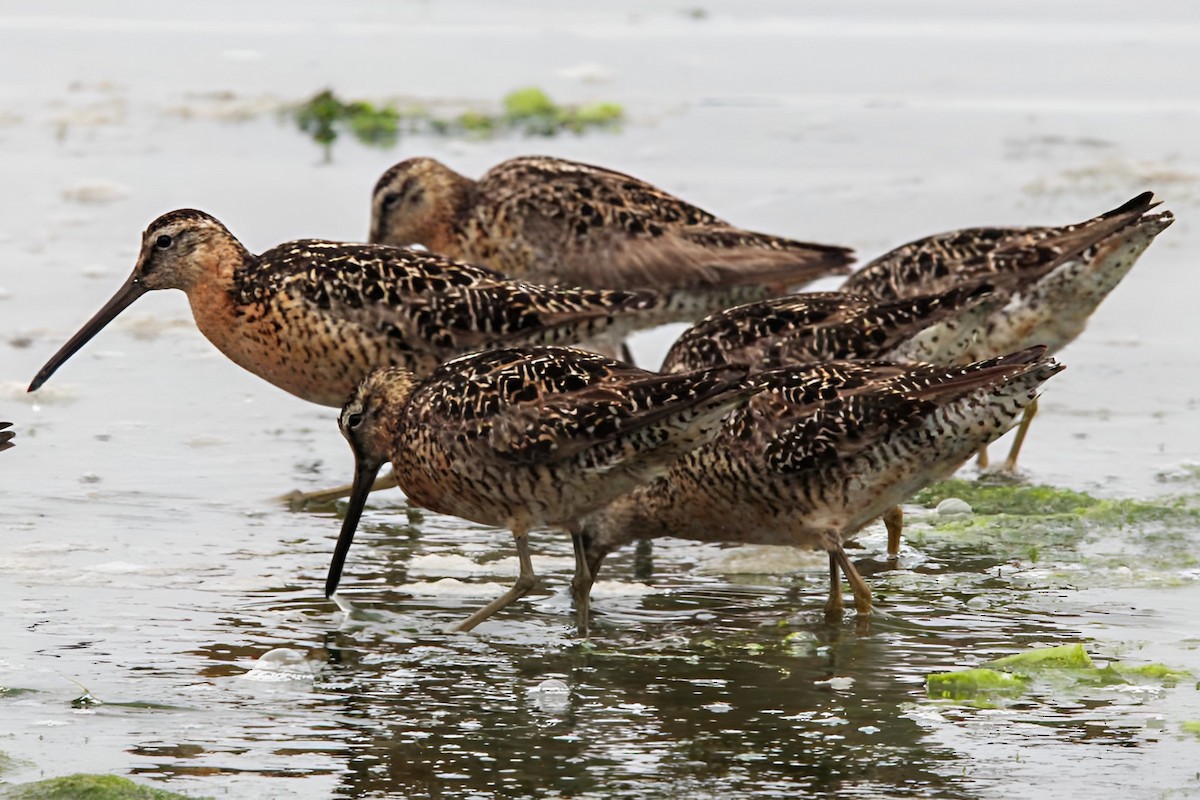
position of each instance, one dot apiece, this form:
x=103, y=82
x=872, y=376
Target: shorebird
x=797, y=329
x=314, y=317
x=6, y=436
x=800, y=329
x=816, y=453
x=1053, y=277
x=563, y=222
x=523, y=437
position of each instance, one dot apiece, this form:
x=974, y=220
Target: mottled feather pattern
x=430, y=308
x=820, y=450
x=314, y=317
x=534, y=406
x=859, y=405
x=566, y=214
x=516, y=433
x=589, y=194
x=467, y=297
x=557, y=221
x=1009, y=257
x=524, y=437
x=1055, y=309
x=814, y=326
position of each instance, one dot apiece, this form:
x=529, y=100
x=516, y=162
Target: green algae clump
x=994, y=498
x=532, y=111
x=600, y=114
x=1192, y=727
x=87, y=787
x=1066, y=656
x=325, y=117
x=1155, y=673
x=528, y=103
x=1046, y=524
x=1062, y=667
x=974, y=684
x=1057, y=503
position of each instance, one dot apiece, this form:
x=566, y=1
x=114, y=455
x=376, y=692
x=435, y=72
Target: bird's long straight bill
x=131, y=291
x=364, y=476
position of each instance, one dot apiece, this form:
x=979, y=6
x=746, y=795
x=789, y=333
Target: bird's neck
x=222, y=295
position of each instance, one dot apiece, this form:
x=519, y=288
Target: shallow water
x=146, y=559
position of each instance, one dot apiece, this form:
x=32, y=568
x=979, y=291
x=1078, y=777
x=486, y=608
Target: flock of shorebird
x=777, y=418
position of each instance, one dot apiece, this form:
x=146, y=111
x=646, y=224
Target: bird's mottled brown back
x=548, y=433
x=1009, y=257
x=813, y=326
x=563, y=222
x=335, y=311
x=577, y=224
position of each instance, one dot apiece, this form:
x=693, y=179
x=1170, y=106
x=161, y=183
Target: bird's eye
x=163, y=242
x=354, y=420
x=390, y=200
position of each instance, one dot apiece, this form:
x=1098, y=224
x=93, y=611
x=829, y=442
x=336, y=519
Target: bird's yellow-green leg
x=862, y=592
x=893, y=520
x=981, y=458
x=1010, y=463
x=525, y=581
x=298, y=501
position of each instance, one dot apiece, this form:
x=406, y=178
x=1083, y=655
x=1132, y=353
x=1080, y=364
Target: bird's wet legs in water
x=893, y=520
x=834, y=605
x=581, y=582
x=839, y=562
x=526, y=580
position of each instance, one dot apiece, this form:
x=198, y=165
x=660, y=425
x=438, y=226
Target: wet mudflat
x=145, y=558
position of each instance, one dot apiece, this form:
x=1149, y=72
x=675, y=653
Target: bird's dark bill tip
x=37, y=381
x=124, y=297
x=364, y=476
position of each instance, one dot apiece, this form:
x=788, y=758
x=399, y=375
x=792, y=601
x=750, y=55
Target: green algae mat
x=88, y=787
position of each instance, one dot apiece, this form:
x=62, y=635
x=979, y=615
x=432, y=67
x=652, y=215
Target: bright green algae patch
x=974, y=684
x=1067, y=656
x=325, y=116
x=1192, y=727
x=1050, y=501
x=529, y=111
x=1048, y=523
x=87, y=787
x=532, y=112
x=1148, y=673
x=1063, y=667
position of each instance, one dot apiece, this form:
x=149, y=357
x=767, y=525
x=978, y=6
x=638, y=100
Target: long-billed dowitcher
x=562, y=222
x=1054, y=277
x=6, y=436
x=799, y=329
x=816, y=454
x=524, y=437
x=314, y=317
